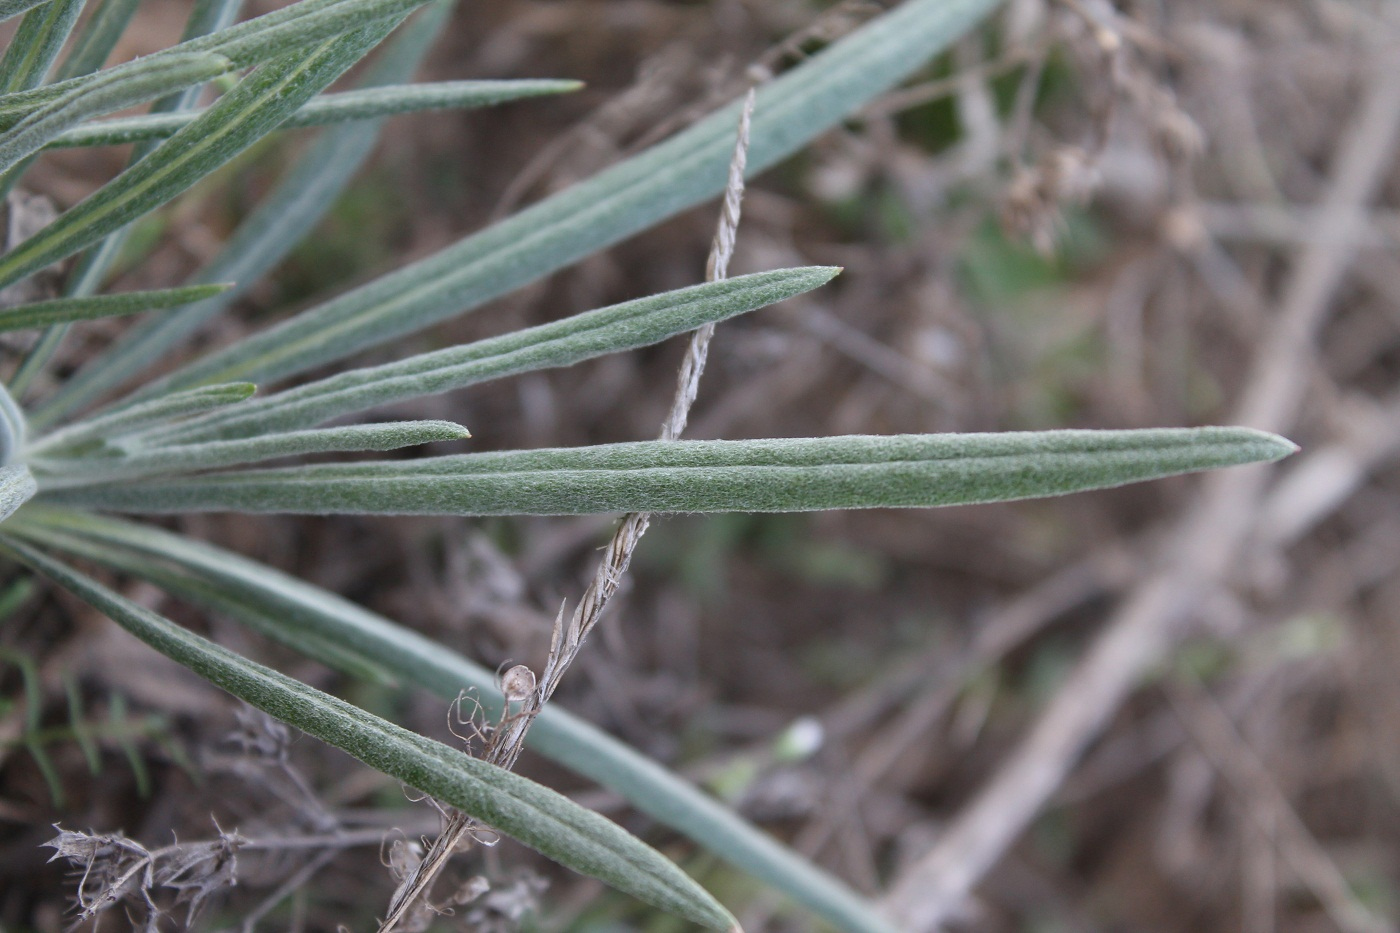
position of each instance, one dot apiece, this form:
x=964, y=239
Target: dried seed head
x=518, y=684
x=1180, y=137
x=76, y=847
x=404, y=856
x=473, y=888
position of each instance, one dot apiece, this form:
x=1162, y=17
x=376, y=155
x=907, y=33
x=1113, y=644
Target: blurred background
x=1167, y=707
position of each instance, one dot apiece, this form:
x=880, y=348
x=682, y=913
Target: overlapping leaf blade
x=103, y=95
x=188, y=458
x=205, y=16
x=12, y=8
x=288, y=213
x=613, y=205
x=349, y=637
x=533, y=814
x=291, y=30
x=36, y=44
x=256, y=106
x=116, y=425
x=560, y=343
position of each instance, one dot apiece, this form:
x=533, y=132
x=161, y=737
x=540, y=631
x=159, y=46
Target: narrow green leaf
x=240, y=118
x=60, y=310
x=289, y=609
x=365, y=104
x=14, y=596
x=117, y=717
x=17, y=487
x=621, y=201
x=560, y=343
x=36, y=44
x=182, y=582
x=285, y=216
x=47, y=770
x=13, y=8
x=103, y=95
x=90, y=50
x=299, y=27
x=786, y=475
x=79, y=727
x=157, y=411
x=205, y=16
x=14, y=429
x=293, y=28
x=535, y=815
x=188, y=458
x=101, y=34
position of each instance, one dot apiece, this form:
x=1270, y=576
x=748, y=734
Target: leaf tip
x=812, y=277
x=1272, y=446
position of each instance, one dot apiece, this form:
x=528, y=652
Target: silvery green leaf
x=17, y=487
x=56, y=473
x=560, y=343
x=13, y=8
x=343, y=634
x=366, y=104
x=89, y=271
x=803, y=474
x=291, y=29
x=104, y=94
x=13, y=427
x=157, y=411
x=180, y=581
x=617, y=203
x=241, y=117
x=95, y=43
x=535, y=815
x=60, y=310
x=285, y=216
x=36, y=44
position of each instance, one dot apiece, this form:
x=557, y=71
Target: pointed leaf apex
x=1271, y=446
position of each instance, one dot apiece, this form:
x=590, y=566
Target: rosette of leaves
x=112, y=438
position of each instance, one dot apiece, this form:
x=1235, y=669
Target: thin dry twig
x=1199, y=554
x=507, y=739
